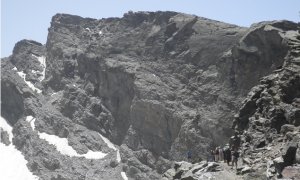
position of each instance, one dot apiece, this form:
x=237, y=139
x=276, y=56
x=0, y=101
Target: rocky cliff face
x=269, y=118
x=156, y=84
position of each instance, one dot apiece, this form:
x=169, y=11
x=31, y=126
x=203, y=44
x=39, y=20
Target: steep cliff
x=156, y=84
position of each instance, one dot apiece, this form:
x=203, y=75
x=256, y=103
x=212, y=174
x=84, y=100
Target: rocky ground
x=156, y=84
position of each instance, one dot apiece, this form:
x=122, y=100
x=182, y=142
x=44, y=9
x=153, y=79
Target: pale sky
x=30, y=19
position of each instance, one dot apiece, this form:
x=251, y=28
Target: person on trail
x=209, y=156
x=228, y=155
x=235, y=140
x=212, y=153
x=189, y=155
x=221, y=157
x=216, y=154
x=224, y=154
x=235, y=157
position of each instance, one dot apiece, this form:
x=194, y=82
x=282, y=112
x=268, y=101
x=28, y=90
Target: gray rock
x=157, y=84
x=246, y=169
x=113, y=163
x=279, y=165
x=287, y=128
x=4, y=137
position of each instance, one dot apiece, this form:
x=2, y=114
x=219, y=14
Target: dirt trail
x=226, y=174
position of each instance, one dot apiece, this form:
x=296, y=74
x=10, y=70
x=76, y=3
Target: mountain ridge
x=155, y=83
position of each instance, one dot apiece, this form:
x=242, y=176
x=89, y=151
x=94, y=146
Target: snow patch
x=34, y=71
x=15, y=69
x=100, y=32
x=118, y=156
x=12, y=163
x=6, y=127
x=88, y=29
x=53, y=94
x=63, y=147
x=31, y=120
x=23, y=76
x=42, y=60
x=123, y=174
x=112, y=146
x=108, y=142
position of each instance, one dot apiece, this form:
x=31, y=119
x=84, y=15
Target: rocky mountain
x=124, y=98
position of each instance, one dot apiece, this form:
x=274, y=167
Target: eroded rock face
x=155, y=83
x=268, y=116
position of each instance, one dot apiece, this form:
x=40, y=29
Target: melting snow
x=62, y=146
x=112, y=146
x=23, y=76
x=6, y=127
x=34, y=71
x=12, y=162
x=31, y=120
x=123, y=174
x=42, y=60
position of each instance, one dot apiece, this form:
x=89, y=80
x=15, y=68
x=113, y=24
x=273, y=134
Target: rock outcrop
x=269, y=118
x=156, y=84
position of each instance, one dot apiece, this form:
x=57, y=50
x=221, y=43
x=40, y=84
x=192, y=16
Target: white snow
x=42, y=60
x=6, y=127
x=23, y=76
x=15, y=69
x=31, y=120
x=100, y=32
x=118, y=156
x=123, y=174
x=112, y=146
x=107, y=141
x=34, y=71
x=53, y=94
x=62, y=146
x=12, y=162
x=88, y=29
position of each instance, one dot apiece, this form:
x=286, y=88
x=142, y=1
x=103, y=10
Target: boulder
x=270, y=169
x=246, y=169
x=113, y=163
x=290, y=152
x=291, y=172
x=279, y=165
x=189, y=176
x=4, y=137
x=169, y=174
x=287, y=128
x=247, y=161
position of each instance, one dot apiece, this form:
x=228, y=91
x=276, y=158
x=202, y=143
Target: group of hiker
x=226, y=154
x=229, y=153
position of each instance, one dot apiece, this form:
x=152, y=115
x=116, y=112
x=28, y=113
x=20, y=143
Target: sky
x=30, y=19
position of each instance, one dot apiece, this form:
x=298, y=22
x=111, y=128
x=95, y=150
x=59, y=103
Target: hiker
x=216, y=152
x=227, y=155
x=235, y=157
x=224, y=153
x=235, y=140
x=210, y=158
x=212, y=152
x=221, y=157
x=189, y=155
